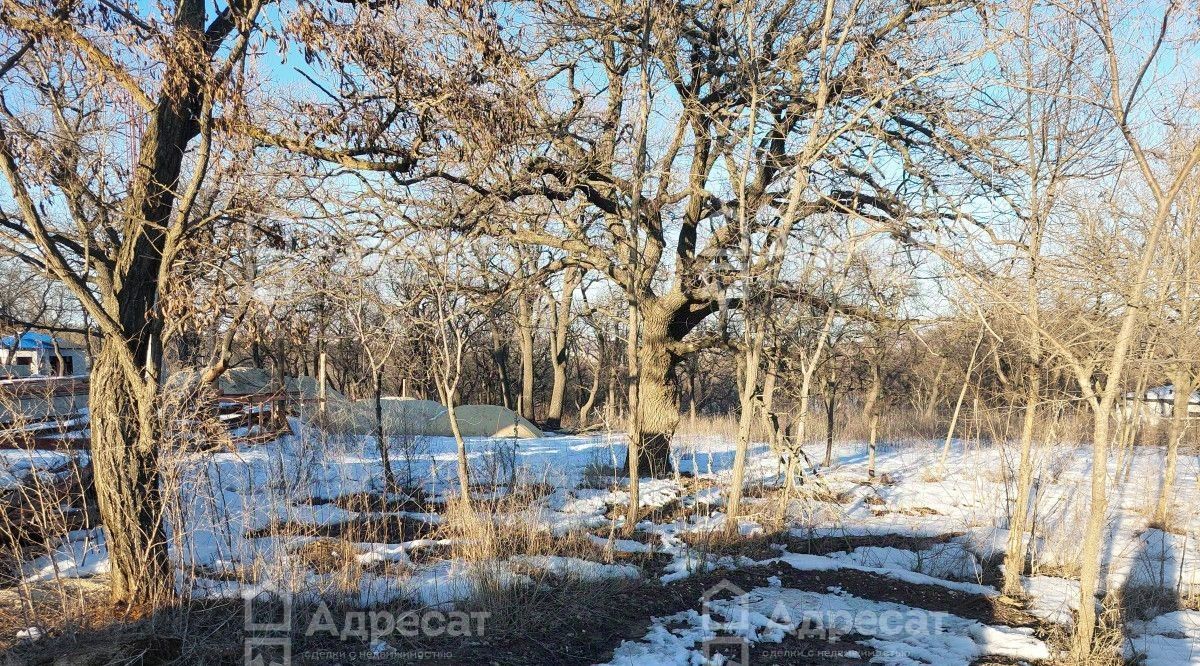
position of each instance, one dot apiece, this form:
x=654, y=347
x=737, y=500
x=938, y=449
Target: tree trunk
x=1089, y=569
x=656, y=413
x=558, y=348
x=558, y=389
x=830, y=406
x=751, y=361
x=125, y=446
x=962, y=394
x=124, y=389
x=585, y=410
x=1181, y=382
x=446, y=393
x=380, y=440
x=500, y=358
x=935, y=390
x=770, y=379
x=525, y=342
x=632, y=454
x=464, y=474
x=768, y=400
x=871, y=409
x=1014, y=554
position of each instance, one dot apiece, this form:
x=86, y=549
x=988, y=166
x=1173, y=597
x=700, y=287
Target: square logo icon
x=284, y=622
x=267, y=651
x=713, y=646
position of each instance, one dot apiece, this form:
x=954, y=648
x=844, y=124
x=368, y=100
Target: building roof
x=33, y=340
x=1165, y=394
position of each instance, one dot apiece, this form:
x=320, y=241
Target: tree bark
x=500, y=358
x=124, y=390
x=656, y=412
x=934, y=394
x=1182, y=383
x=585, y=410
x=125, y=447
x=525, y=343
x=464, y=473
x=381, y=441
x=1014, y=554
x=871, y=409
x=830, y=407
x=558, y=348
x=751, y=362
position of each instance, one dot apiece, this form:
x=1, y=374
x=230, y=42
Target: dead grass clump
x=599, y=475
x=480, y=536
x=695, y=484
x=430, y=552
x=759, y=491
x=238, y=573
x=724, y=426
x=611, y=532
x=1069, y=570
x=415, y=500
x=723, y=542
x=327, y=555
x=997, y=475
x=823, y=493
x=1109, y=641
x=667, y=513
x=361, y=529
x=1172, y=525
x=527, y=493
x=933, y=474
x=577, y=543
x=1144, y=602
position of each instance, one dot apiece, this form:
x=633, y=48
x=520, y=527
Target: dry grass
x=326, y=555
x=600, y=474
x=483, y=536
x=723, y=542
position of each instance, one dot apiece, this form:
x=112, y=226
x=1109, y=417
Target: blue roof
x=30, y=340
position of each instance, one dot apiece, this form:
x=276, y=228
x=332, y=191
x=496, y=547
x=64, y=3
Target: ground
x=900, y=569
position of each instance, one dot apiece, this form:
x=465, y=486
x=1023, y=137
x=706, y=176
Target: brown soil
x=555, y=621
x=824, y=545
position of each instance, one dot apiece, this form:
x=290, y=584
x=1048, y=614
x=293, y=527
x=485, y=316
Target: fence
x=50, y=413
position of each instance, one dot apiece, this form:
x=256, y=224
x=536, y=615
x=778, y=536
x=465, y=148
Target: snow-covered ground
x=236, y=501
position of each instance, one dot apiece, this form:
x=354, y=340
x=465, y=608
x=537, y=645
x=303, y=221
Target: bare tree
x=1178, y=320
x=560, y=327
x=114, y=244
x=643, y=191
x=1055, y=142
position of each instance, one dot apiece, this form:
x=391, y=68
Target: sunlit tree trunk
x=525, y=344
x=1183, y=383
x=558, y=348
